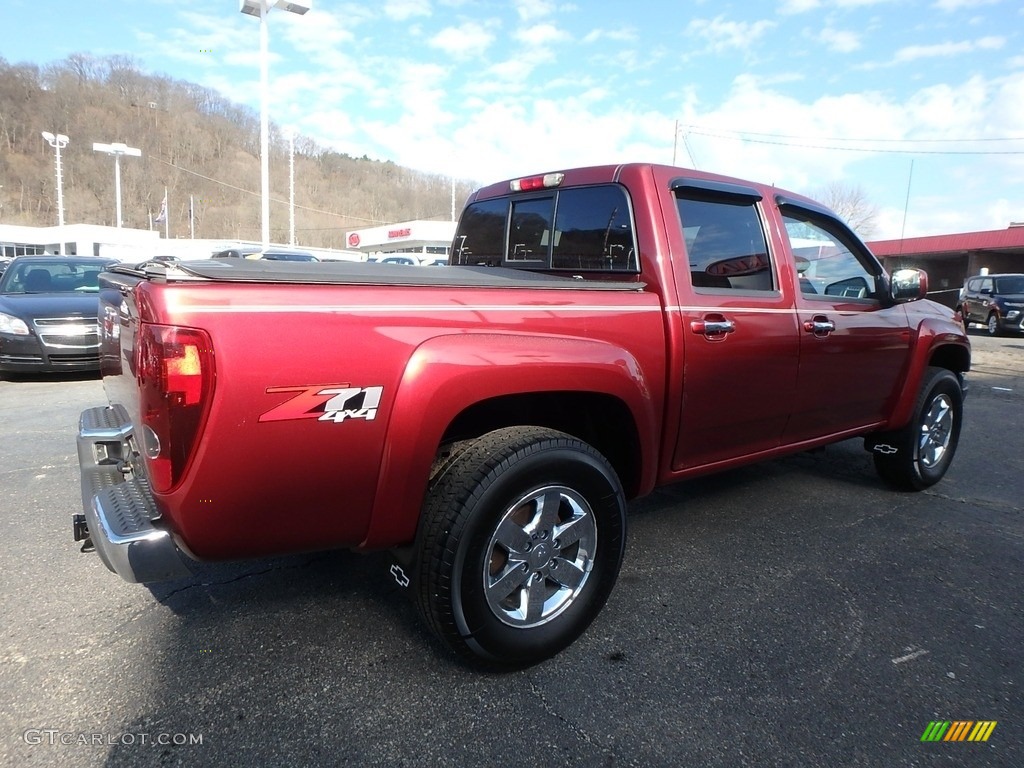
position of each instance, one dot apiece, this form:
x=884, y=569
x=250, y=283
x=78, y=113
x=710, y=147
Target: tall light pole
x=58, y=142
x=260, y=9
x=117, y=150
x=291, y=188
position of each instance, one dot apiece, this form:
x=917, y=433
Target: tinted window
x=827, y=260
x=481, y=235
x=1010, y=285
x=593, y=230
x=573, y=229
x=725, y=244
x=530, y=233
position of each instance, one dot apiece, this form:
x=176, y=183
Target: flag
x=162, y=216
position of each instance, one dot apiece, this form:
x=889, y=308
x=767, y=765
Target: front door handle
x=819, y=325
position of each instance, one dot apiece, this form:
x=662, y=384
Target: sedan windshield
x=1010, y=285
x=52, y=276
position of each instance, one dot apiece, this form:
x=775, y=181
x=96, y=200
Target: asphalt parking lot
x=796, y=613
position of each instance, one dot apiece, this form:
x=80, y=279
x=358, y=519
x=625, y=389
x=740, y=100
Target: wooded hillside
x=194, y=142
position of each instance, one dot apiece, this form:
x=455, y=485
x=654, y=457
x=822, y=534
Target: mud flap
x=881, y=443
x=401, y=567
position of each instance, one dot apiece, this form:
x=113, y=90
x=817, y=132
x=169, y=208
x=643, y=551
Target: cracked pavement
x=791, y=613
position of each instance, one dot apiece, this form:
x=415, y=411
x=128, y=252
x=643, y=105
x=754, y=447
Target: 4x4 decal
x=331, y=403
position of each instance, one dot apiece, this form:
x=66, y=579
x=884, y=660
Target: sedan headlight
x=12, y=325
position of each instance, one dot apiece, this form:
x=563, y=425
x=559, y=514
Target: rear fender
x=448, y=374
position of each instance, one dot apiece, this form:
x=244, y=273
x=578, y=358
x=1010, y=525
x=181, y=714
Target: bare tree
x=194, y=142
x=852, y=204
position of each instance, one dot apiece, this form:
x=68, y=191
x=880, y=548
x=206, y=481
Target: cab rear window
x=579, y=229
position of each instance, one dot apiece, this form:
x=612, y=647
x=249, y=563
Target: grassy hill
x=194, y=142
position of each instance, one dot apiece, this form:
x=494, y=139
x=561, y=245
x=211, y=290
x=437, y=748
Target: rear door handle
x=715, y=326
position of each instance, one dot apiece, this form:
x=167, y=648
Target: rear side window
x=725, y=243
x=576, y=229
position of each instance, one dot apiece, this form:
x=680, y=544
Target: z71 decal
x=334, y=403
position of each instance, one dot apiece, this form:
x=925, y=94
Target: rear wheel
x=918, y=455
x=520, y=545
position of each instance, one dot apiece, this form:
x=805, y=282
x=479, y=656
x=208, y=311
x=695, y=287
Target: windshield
x=1008, y=285
x=52, y=276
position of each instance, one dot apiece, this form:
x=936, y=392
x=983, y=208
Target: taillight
x=546, y=181
x=175, y=377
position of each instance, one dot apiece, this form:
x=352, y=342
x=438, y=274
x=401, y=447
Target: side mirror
x=909, y=284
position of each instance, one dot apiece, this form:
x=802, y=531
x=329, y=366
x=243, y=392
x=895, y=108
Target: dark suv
x=996, y=301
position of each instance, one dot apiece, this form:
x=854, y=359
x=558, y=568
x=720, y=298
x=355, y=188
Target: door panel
x=739, y=330
x=853, y=347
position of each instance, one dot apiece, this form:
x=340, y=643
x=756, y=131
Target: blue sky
x=925, y=96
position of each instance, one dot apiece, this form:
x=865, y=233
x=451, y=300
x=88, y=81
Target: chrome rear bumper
x=120, y=513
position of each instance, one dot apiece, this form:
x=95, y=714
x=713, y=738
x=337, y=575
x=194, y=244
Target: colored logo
x=958, y=730
x=353, y=239
x=331, y=404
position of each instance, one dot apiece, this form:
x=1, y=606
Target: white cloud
x=793, y=7
x=859, y=3
x=720, y=35
x=955, y=5
x=400, y=10
x=540, y=34
x=914, y=52
x=529, y=10
x=621, y=35
x=468, y=40
x=840, y=41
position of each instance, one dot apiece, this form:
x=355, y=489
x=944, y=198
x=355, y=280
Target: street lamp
x=117, y=150
x=58, y=142
x=260, y=9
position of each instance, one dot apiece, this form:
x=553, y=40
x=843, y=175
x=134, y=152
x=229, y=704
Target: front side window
x=827, y=260
x=725, y=243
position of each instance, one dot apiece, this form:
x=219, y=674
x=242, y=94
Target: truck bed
x=360, y=273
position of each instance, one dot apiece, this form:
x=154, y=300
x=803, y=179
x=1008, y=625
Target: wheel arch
x=942, y=345
x=460, y=387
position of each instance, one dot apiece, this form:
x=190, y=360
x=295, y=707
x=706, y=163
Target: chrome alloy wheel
x=540, y=556
x=936, y=430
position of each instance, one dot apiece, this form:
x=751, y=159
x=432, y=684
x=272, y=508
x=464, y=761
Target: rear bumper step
x=119, y=513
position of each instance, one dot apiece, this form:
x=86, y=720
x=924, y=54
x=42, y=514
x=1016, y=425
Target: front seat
x=38, y=281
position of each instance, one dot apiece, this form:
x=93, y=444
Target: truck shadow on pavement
x=290, y=660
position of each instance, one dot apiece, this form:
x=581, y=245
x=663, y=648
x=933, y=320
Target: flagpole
x=191, y=217
x=167, y=217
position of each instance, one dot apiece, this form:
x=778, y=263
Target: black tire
x=992, y=324
x=489, y=541
x=918, y=455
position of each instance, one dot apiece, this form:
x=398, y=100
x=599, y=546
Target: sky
x=918, y=103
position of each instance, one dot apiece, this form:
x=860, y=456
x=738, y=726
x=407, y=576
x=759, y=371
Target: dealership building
x=420, y=238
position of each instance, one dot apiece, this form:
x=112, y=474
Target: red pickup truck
x=601, y=331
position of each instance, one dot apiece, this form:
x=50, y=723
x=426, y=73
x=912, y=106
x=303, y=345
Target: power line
x=273, y=199
x=744, y=136
x=699, y=129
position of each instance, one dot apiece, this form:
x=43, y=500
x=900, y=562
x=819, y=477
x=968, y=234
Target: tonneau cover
x=364, y=273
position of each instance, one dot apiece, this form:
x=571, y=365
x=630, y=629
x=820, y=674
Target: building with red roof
x=950, y=259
